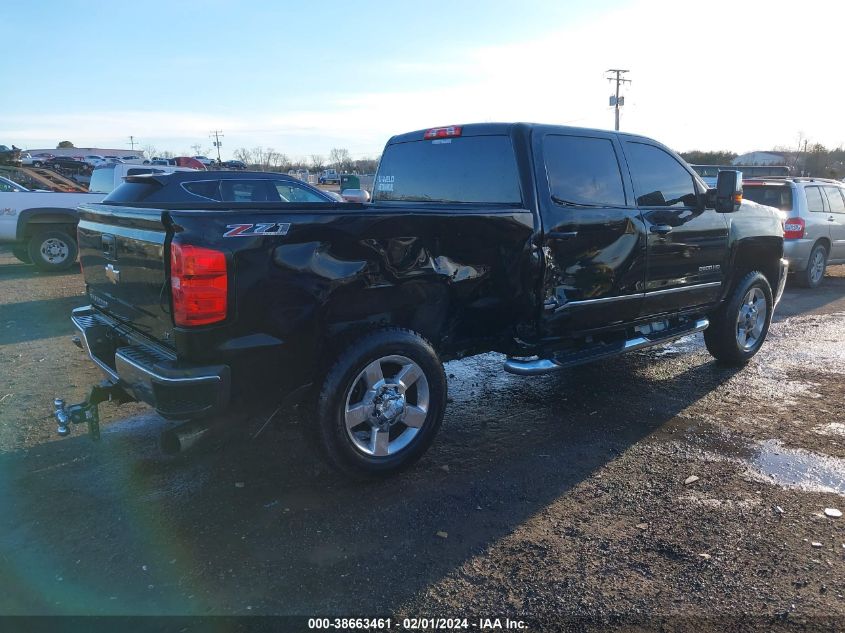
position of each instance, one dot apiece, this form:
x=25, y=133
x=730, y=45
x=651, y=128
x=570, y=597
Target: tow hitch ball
x=87, y=411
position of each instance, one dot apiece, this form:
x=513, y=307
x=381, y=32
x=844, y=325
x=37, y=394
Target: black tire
x=345, y=379
x=60, y=241
x=810, y=277
x=723, y=337
x=21, y=253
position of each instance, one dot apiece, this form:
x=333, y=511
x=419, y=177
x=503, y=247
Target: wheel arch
x=761, y=253
x=30, y=220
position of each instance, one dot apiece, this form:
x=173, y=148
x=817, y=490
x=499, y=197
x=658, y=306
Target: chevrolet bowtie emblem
x=112, y=273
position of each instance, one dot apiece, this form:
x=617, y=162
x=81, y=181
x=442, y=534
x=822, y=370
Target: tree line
x=814, y=160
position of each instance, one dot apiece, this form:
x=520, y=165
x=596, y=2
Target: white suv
x=813, y=212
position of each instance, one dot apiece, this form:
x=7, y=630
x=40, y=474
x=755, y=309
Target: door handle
x=660, y=229
x=831, y=219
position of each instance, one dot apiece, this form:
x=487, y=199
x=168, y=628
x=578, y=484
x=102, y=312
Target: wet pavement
x=542, y=498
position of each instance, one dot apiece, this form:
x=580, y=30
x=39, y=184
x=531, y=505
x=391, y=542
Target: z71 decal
x=251, y=230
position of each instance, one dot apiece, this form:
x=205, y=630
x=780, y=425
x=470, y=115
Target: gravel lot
x=559, y=499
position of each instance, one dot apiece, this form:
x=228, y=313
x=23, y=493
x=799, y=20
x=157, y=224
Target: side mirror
x=728, y=191
x=355, y=195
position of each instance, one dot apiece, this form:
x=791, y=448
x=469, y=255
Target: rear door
x=836, y=219
x=687, y=244
x=594, y=236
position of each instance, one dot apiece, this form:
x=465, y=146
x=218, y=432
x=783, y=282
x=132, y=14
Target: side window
x=291, y=192
x=815, y=204
x=835, y=199
x=659, y=179
x=5, y=186
x=248, y=191
x=206, y=189
x=583, y=170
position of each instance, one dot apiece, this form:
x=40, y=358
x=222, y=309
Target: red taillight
x=443, y=132
x=793, y=228
x=199, y=283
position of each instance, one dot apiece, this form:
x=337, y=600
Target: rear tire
x=52, y=250
x=381, y=403
x=813, y=275
x=739, y=327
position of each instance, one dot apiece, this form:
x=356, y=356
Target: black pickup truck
x=555, y=246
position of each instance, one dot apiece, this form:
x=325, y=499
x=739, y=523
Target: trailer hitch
x=87, y=411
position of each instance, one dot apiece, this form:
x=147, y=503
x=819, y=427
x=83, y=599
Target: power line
x=217, y=135
x=615, y=101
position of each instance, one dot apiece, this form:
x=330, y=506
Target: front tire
x=813, y=275
x=52, y=250
x=737, y=330
x=381, y=403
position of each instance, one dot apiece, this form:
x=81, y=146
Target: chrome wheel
x=751, y=319
x=54, y=251
x=817, y=266
x=386, y=406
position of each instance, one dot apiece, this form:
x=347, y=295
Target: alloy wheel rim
x=386, y=406
x=817, y=271
x=751, y=319
x=54, y=250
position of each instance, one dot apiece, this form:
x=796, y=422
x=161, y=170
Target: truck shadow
x=263, y=523
x=34, y=320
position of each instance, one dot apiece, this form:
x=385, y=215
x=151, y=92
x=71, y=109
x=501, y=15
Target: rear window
x=102, y=180
x=133, y=191
x=778, y=196
x=469, y=169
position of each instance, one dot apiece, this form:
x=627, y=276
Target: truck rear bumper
x=151, y=372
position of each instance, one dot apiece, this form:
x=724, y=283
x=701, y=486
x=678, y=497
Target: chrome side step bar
x=537, y=366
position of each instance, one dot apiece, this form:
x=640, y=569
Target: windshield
x=778, y=196
x=475, y=169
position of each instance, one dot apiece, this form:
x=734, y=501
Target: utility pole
x=617, y=100
x=217, y=135
x=132, y=143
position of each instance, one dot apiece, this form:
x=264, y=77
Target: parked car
x=205, y=160
x=10, y=185
x=813, y=211
x=94, y=160
x=329, y=177
x=28, y=160
x=237, y=165
x=552, y=245
x=135, y=159
x=69, y=164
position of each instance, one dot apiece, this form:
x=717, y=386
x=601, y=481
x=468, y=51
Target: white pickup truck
x=41, y=226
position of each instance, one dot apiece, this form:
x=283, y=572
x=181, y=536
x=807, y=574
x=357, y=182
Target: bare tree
x=196, y=147
x=243, y=155
x=150, y=150
x=340, y=159
x=317, y=162
x=167, y=154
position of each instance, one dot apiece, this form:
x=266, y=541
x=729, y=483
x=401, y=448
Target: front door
x=687, y=244
x=594, y=238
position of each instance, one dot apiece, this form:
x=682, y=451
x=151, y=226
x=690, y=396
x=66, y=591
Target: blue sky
x=305, y=77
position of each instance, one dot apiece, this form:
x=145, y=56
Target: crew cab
x=555, y=246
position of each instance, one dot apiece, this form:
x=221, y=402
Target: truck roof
x=489, y=129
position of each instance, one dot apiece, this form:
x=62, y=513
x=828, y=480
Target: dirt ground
x=558, y=500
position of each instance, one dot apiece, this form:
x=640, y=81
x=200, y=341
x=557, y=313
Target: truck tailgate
x=123, y=256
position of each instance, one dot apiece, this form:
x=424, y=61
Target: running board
x=537, y=366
